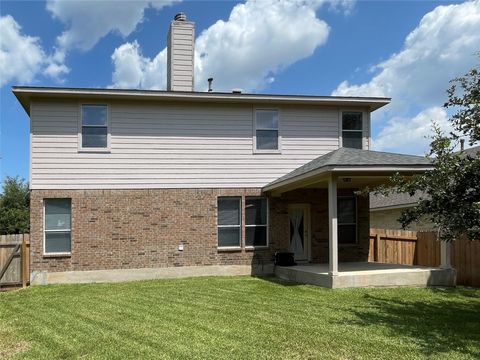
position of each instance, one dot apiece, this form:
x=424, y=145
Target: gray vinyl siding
x=173, y=146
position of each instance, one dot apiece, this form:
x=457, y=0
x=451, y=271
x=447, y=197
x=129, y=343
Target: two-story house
x=133, y=184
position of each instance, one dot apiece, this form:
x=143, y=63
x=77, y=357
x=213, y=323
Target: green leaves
x=464, y=95
x=14, y=207
x=452, y=190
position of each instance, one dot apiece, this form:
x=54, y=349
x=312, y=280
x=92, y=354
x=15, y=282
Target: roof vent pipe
x=210, y=80
x=180, y=17
x=236, y=91
x=462, y=144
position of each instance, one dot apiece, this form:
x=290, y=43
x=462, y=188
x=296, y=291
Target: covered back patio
x=327, y=221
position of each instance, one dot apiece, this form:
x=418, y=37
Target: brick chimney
x=180, y=54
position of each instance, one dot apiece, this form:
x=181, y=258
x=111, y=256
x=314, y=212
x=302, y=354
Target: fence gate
x=14, y=260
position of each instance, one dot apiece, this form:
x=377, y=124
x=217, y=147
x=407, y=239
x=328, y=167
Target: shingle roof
x=346, y=157
x=397, y=200
x=473, y=151
x=394, y=200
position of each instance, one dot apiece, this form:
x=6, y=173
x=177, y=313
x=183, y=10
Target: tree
x=466, y=120
x=452, y=189
x=14, y=206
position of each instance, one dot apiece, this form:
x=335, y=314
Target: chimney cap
x=181, y=16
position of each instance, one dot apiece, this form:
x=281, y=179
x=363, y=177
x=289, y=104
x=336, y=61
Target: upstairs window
x=347, y=220
x=94, y=126
x=229, y=221
x=266, y=130
x=352, y=129
x=256, y=221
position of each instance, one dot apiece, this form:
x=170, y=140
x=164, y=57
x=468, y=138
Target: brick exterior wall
x=318, y=201
x=127, y=229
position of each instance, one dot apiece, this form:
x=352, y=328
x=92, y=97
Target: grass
x=237, y=318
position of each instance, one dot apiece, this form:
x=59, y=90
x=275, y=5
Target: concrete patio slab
x=367, y=274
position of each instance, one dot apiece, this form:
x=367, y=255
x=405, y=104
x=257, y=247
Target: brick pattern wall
x=318, y=200
x=126, y=229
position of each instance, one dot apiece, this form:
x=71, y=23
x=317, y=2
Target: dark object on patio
x=284, y=259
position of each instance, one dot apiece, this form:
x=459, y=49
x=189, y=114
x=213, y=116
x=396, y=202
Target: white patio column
x=445, y=255
x=333, y=226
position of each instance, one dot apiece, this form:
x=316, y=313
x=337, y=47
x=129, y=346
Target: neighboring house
x=386, y=210
x=129, y=184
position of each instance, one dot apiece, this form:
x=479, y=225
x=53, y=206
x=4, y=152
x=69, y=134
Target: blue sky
x=407, y=50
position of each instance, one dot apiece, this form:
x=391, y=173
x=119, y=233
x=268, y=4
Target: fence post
x=445, y=254
x=24, y=265
x=376, y=247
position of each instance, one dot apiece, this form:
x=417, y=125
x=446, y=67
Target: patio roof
x=349, y=168
x=354, y=161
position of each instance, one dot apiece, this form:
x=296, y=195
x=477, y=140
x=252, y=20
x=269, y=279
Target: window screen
x=352, y=130
x=256, y=222
x=94, y=126
x=57, y=226
x=229, y=220
x=266, y=129
x=347, y=220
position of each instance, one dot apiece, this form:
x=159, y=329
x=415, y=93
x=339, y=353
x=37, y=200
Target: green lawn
x=239, y=317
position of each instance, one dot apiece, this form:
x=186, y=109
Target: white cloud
x=342, y=6
x=414, y=134
x=89, y=21
x=56, y=66
x=56, y=71
x=21, y=56
x=259, y=40
x=440, y=48
x=132, y=69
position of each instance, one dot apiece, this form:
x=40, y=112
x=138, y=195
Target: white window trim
x=65, y=253
x=239, y=199
x=365, y=127
x=266, y=151
x=251, y=247
x=80, y=125
x=356, y=220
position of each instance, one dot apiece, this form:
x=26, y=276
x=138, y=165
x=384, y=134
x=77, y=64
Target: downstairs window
x=57, y=234
x=229, y=221
x=256, y=226
x=347, y=220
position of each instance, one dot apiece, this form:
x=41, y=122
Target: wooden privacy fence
x=392, y=246
x=423, y=248
x=14, y=260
